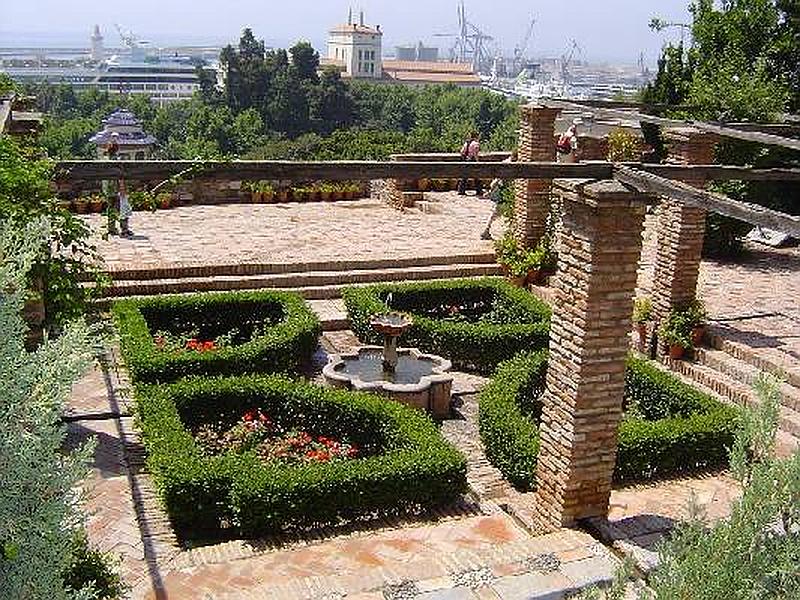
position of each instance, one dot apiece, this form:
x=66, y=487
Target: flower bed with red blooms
x=253, y=455
x=168, y=337
x=256, y=431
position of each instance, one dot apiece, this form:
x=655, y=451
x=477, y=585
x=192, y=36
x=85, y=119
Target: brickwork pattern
x=600, y=247
x=532, y=201
x=681, y=228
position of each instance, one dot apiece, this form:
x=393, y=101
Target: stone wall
x=600, y=245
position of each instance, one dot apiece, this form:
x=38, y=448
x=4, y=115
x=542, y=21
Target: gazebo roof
x=121, y=117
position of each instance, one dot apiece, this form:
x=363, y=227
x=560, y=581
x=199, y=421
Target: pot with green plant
x=82, y=206
x=675, y=334
x=164, y=200
x=696, y=315
x=642, y=313
x=267, y=191
x=96, y=204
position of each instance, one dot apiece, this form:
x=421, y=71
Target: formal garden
x=223, y=435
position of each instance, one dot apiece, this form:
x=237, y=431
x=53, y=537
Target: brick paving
x=291, y=233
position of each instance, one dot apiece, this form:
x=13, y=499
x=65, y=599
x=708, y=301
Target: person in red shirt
x=470, y=152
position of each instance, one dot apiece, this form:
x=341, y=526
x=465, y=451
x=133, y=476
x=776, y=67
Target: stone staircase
x=316, y=280
x=728, y=370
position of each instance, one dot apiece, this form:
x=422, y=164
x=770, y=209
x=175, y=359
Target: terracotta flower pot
x=325, y=196
x=268, y=196
x=534, y=277
x=423, y=185
x=282, y=195
x=698, y=332
x=165, y=203
x=82, y=207
x=255, y=197
x=96, y=206
x=517, y=280
x=676, y=351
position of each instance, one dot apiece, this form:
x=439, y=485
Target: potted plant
x=675, y=333
x=282, y=195
x=82, y=206
x=96, y=204
x=696, y=315
x=642, y=313
x=252, y=187
x=164, y=200
x=325, y=190
x=267, y=191
x=423, y=185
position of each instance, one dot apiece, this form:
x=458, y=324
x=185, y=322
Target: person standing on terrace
x=470, y=152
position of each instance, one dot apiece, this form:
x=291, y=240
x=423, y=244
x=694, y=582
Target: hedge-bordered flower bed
x=288, y=339
x=407, y=462
x=519, y=320
x=668, y=427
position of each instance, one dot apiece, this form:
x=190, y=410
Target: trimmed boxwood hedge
x=409, y=464
x=523, y=321
x=668, y=427
x=289, y=340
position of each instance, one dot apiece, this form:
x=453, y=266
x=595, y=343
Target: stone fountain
x=404, y=374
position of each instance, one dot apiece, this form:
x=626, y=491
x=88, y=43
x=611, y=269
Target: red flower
x=207, y=346
x=249, y=416
x=191, y=344
x=160, y=341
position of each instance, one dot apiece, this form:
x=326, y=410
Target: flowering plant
x=256, y=431
x=181, y=342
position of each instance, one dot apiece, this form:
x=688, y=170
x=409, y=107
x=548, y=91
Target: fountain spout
x=391, y=325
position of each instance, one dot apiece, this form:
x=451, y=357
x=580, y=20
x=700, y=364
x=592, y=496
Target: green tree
x=39, y=502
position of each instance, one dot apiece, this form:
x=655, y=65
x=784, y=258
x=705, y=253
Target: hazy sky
x=606, y=29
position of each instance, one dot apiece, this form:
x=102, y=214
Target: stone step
x=744, y=372
x=188, y=271
x=756, y=357
x=732, y=391
x=310, y=279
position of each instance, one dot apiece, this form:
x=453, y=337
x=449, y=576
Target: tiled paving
x=290, y=233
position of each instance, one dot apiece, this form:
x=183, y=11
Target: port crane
x=471, y=44
x=567, y=58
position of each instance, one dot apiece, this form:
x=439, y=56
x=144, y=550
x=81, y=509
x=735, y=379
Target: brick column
x=532, y=203
x=681, y=228
x=600, y=245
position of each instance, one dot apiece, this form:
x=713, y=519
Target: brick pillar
x=681, y=228
x=600, y=246
x=532, y=203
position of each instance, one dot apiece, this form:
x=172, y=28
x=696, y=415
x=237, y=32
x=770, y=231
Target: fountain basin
x=419, y=380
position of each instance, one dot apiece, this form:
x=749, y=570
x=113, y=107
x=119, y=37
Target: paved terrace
x=296, y=233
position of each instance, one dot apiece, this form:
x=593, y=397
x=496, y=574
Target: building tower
x=358, y=47
x=98, y=51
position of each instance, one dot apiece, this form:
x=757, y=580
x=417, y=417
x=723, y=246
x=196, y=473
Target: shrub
x=514, y=320
x=407, y=462
x=92, y=569
x=668, y=426
x=284, y=333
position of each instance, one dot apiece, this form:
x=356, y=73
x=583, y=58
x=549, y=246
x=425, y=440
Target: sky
x=607, y=30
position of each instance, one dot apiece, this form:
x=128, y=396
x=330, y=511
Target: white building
x=358, y=48
x=98, y=52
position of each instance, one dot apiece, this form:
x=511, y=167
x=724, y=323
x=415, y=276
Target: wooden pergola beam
x=329, y=171
x=364, y=170
x=729, y=132
x=754, y=214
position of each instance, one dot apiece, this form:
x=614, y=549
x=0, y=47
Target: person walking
x=567, y=146
x=495, y=194
x=125, y=210
x=470, y=152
